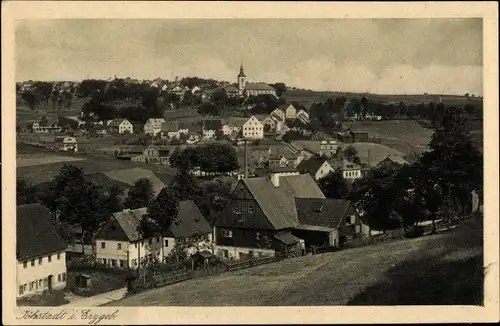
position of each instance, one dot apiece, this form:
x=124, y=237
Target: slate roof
x=36, y=235
x=212, y=124
x=259, y=86
x=129, y=221
x=278, y=203
x=321, y=212
x=310, y=166
x=189, y=219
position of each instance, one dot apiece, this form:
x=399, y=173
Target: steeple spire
x=242, y=73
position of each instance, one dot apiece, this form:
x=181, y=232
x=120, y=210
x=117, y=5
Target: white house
x=350, y=171
x=290, y=111
x=253, y=128
x=120, y=245
x=318, y=169
x=328, y=148
x=153, y=126
x=303, y=116
x=45, y=125
x=40, y=252
x=66, y=143
x=121, y=126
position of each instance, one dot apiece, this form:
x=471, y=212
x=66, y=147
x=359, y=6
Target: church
x=252, y=89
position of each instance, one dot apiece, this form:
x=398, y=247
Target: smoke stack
x=246, y=160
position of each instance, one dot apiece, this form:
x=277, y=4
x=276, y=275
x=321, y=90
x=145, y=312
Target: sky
x=384, y=56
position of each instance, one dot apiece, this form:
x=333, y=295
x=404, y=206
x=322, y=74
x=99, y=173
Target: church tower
x=241, y=81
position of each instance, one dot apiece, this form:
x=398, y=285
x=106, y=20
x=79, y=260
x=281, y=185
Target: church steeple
x=242, y=73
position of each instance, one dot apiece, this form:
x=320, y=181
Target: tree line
x=211, y=158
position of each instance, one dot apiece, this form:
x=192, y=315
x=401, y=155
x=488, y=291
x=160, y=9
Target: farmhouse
x=290, y=111
x=303, y=116
x=210, y=128
x=40, y=252
x=279, y=113
x=153, y=126
x=120, y=245
x=46, y=125
x=350, y=171
x=318, y=169
x=273, y=123
x=252, y=129
x=65, y=143
x=170, y=129
x=393, y=162
x=120, y=126
x=152, y=154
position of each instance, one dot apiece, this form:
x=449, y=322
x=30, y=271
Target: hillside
x=441, y=269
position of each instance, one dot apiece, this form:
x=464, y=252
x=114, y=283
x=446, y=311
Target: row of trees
x=438, y=185
x=210, y=158
x=43, y=92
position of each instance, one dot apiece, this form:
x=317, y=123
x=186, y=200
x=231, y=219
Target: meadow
x=442, y=269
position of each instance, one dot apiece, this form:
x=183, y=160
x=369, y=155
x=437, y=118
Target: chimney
x=275, y=179
x=246, y=160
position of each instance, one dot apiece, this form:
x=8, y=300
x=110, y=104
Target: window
x=32, y=285
x=45, y=282
x=135, y=245
x=166, y=242
x=250, y=209
x=227, y=233
x=40, y=283
x=21, y=290
x=25, y=264
x=58, y=256
x=49, y=258
x=104, y=261
x=40, y=261
x=64, y=277
x=103, y=245
x=119, y=246
x=113, y=262
x=122, y=263
x=257, y=235
x=134, y=262
x=58, y=277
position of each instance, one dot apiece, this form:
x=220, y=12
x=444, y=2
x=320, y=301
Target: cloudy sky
x=389, y=56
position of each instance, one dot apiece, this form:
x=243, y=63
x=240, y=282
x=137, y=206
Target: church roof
x=258, y=86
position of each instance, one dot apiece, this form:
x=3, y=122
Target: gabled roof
x=278, y=203
x=129, y=220
x=310, y=166
x=35, y=233
x=215, y=124
x=189, y=220
x=396, y=159
x=321, y=212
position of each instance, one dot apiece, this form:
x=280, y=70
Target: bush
x=415, y=232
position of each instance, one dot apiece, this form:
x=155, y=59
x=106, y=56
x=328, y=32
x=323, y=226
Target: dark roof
x=310, y=166
x=278, y=203
x=36, y=235
x=283, y=169
x=258, y=86
x=189, y=220
x=170, y=126
x=183, y=125
x=129, y=221
x=321, y=212
x=394, y=159
x=212, y=124
x=231, y=89
x=286, y=237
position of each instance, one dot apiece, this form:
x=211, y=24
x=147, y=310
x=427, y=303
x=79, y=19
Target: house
x=183, y=129
x=318, y=169
x=252, y=129
x=328, y=148
x=195, y=89
x=393, y=162
x=65, y=143
x=279, y=113
x=211, y=127
x=100, y=129
x=120, y=245
x=231, y=91
x=120, y=126
x=290, y=111
x=280, y=171
x=327, y=222
x=260, y=214
x=40, y=252
x=152, y=154
x=46, y=125
x=303, y=116
x=170, y=129
x=273, y=123
x=278, y=161
x=153, y=126
x=350, y=171
x=193, y=138
x=359, y=136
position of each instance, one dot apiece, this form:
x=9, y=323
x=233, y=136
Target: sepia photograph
x=248, y=162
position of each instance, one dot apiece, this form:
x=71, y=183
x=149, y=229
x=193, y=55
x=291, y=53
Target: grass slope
x=442, y=269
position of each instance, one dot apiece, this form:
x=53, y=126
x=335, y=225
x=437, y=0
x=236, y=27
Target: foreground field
x=441, y=269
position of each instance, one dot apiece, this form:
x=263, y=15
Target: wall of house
x=245, y=238
x=352, y=174
x=39, y=273
x=235, y=253
x=323, y=171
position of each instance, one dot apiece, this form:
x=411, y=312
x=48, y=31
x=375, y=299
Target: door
x=50, y=280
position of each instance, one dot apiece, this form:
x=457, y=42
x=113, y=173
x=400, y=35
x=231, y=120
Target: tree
x=31, y=99
x=185, y=186
x=114, y=202
x=164, y=209
x=351, y=154
x=280, y=89
x=334, y=185
x=140, y=195
x=26, y=193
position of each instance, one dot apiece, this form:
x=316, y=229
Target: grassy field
x=24, y=114
x=441, y=269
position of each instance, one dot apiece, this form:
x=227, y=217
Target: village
x=291, y=179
